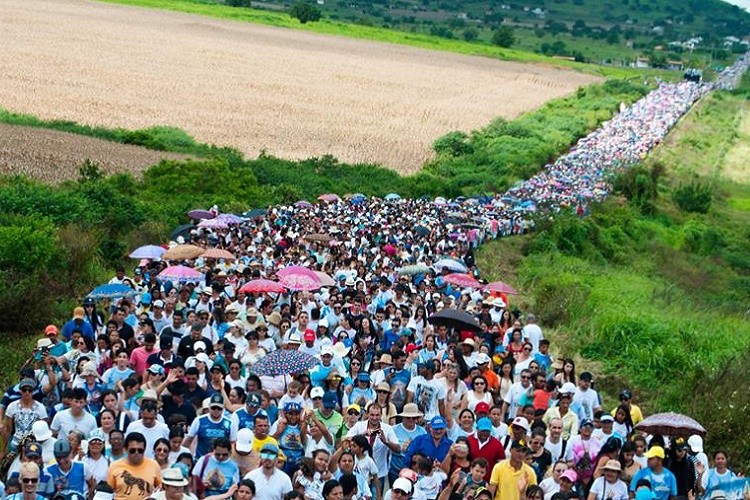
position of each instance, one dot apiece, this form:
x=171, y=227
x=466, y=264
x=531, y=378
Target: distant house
x=641, y=62
x=675, y=65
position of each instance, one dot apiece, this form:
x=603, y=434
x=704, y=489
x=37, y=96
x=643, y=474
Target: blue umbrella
x=392, y=197
x=148, y=252
x=111, y=291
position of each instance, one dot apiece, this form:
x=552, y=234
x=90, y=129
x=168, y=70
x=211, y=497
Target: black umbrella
x=421, y=230
x=183, y=230
x=456, y=318
x=255, y=213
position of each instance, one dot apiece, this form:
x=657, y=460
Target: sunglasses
x=27, y=389
x=527, y=349
x=479, y=383
x=136, y=451
x=267, y=456
x=382, y=392
x=353, y=413
x=525, y=377
x=356, y=363
x=30, y=480
x=399, y=492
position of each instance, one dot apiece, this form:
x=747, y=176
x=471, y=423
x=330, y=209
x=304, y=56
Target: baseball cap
x=567, y=388
x=521, y=422
x=27, y=382
x=481, y=407
x=363, y=376
x=62, y=448
x=32, y=449
x=217, y=400
x=329, y=401
x=199, y=345
x=244, y=442
x=51, y=330
x=484, y=424
x=354, y=407
x=570, y=475
x=97, y=434
x=270, y=448
x=156, y=369
x=655, y=452
x=402, y=484
x=607, y=418
x=326, y=350
x=317, y=392
x=587, y=421
x=519, y=444
x=482, y=358
x=253, y=399
x=309, y=336
x=438, y=422
x=159, y=303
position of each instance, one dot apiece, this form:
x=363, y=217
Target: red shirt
x=492, y=451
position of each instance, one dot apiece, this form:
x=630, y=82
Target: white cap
x=567, y=388
x=482, y=358
x=159, y=303
x=696, y=443
x=40, y=430
x=402, y=484
x=326, y=349
x=323, y=322
x=199, y=345
x=521, y=422
x=244, y=440
x=317, y=392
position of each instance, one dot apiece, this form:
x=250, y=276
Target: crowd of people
x=159, y=394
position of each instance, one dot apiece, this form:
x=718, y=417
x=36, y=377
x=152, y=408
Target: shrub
x=305, y=12
x=504, y=36
x=693, y=197
x=453, y=144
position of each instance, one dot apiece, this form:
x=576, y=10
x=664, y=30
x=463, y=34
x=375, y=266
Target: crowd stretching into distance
x=347, y=350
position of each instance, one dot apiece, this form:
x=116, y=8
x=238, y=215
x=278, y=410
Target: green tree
x=470, y=34
x=504, y=37
x=305, y=12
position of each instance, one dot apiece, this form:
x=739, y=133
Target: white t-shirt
x=380, y=451
x=513, y=398
x=427, y=393
x=152, y=434
x=270, y=488
x=24, y=418
x=588, y=399
x=533, y=334
x=607, y=491
x=64, y=422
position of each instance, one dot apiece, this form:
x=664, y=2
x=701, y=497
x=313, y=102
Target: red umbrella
x=462, y=279
x=390, y=249
x=298, y=282
x=262, y=286
x=500, y=287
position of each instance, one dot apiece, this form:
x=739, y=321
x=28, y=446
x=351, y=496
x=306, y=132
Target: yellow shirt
x=570, y=421
x=134, y=482
x=259, y=443
x=635, y=414
x=506, y=478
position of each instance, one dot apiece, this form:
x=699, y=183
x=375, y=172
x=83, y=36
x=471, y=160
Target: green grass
x=329, y=27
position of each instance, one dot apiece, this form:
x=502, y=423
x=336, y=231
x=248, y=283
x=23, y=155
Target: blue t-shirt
x=220, y=475
x=208, y=430
x=54, y=480
x=398, y=460
x=399, y=382
x=290, y=441
x=663, y=485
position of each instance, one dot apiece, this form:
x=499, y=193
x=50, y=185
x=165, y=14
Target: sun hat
x=43, y=343
x=385, y=359
x=173, y=477
x=557, y=364
x=294, y=338
x=613, y=465
x=411, y=410
x=340, y=349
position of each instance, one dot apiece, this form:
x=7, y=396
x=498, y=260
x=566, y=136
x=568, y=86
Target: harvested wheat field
x=53, y=156
x=292, y=93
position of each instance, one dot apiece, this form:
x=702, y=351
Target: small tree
x=305, y=12
x=470, y=34
x=504, y=37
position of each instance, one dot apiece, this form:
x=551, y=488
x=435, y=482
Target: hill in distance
x=693, y=32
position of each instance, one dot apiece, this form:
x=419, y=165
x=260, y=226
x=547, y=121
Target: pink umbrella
x=390, y=249
x=324, y=279
x=462, y=279
x=298, y=282
x=262, y=286
x=295, y=270
x=180, y=273
x=330, y=197
x=200, y=214
x=500, y=287
x=213, y=224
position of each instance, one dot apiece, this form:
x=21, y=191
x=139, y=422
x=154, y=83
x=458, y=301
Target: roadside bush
x=693, y=197
x=305, y=12
x=453, y=144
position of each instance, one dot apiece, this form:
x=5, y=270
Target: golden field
x=292, y=93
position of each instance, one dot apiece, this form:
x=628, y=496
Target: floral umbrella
x=213, y=224
x=180, y=273
x=325, y=280
x=283, y=362
x=303, y=204
x=230, y=218
x=262, y=286
x=500, y=287
x=671, y=424
x=148, y=252
x=300, y=282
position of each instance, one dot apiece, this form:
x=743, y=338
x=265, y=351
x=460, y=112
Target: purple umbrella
x=200, y=214
x=229, y=218
x=303, y=204
x=213, y=224
x=148, y=252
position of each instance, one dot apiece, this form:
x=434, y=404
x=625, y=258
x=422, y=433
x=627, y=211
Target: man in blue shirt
x=391, y=336
x=291, y=436
x=406, y=432
x=206, y=428
x=663, y=482
x=434, y=445
x=398, y=377
x=64, y=474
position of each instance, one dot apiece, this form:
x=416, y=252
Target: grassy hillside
x=589, y=30
x=647, y=293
